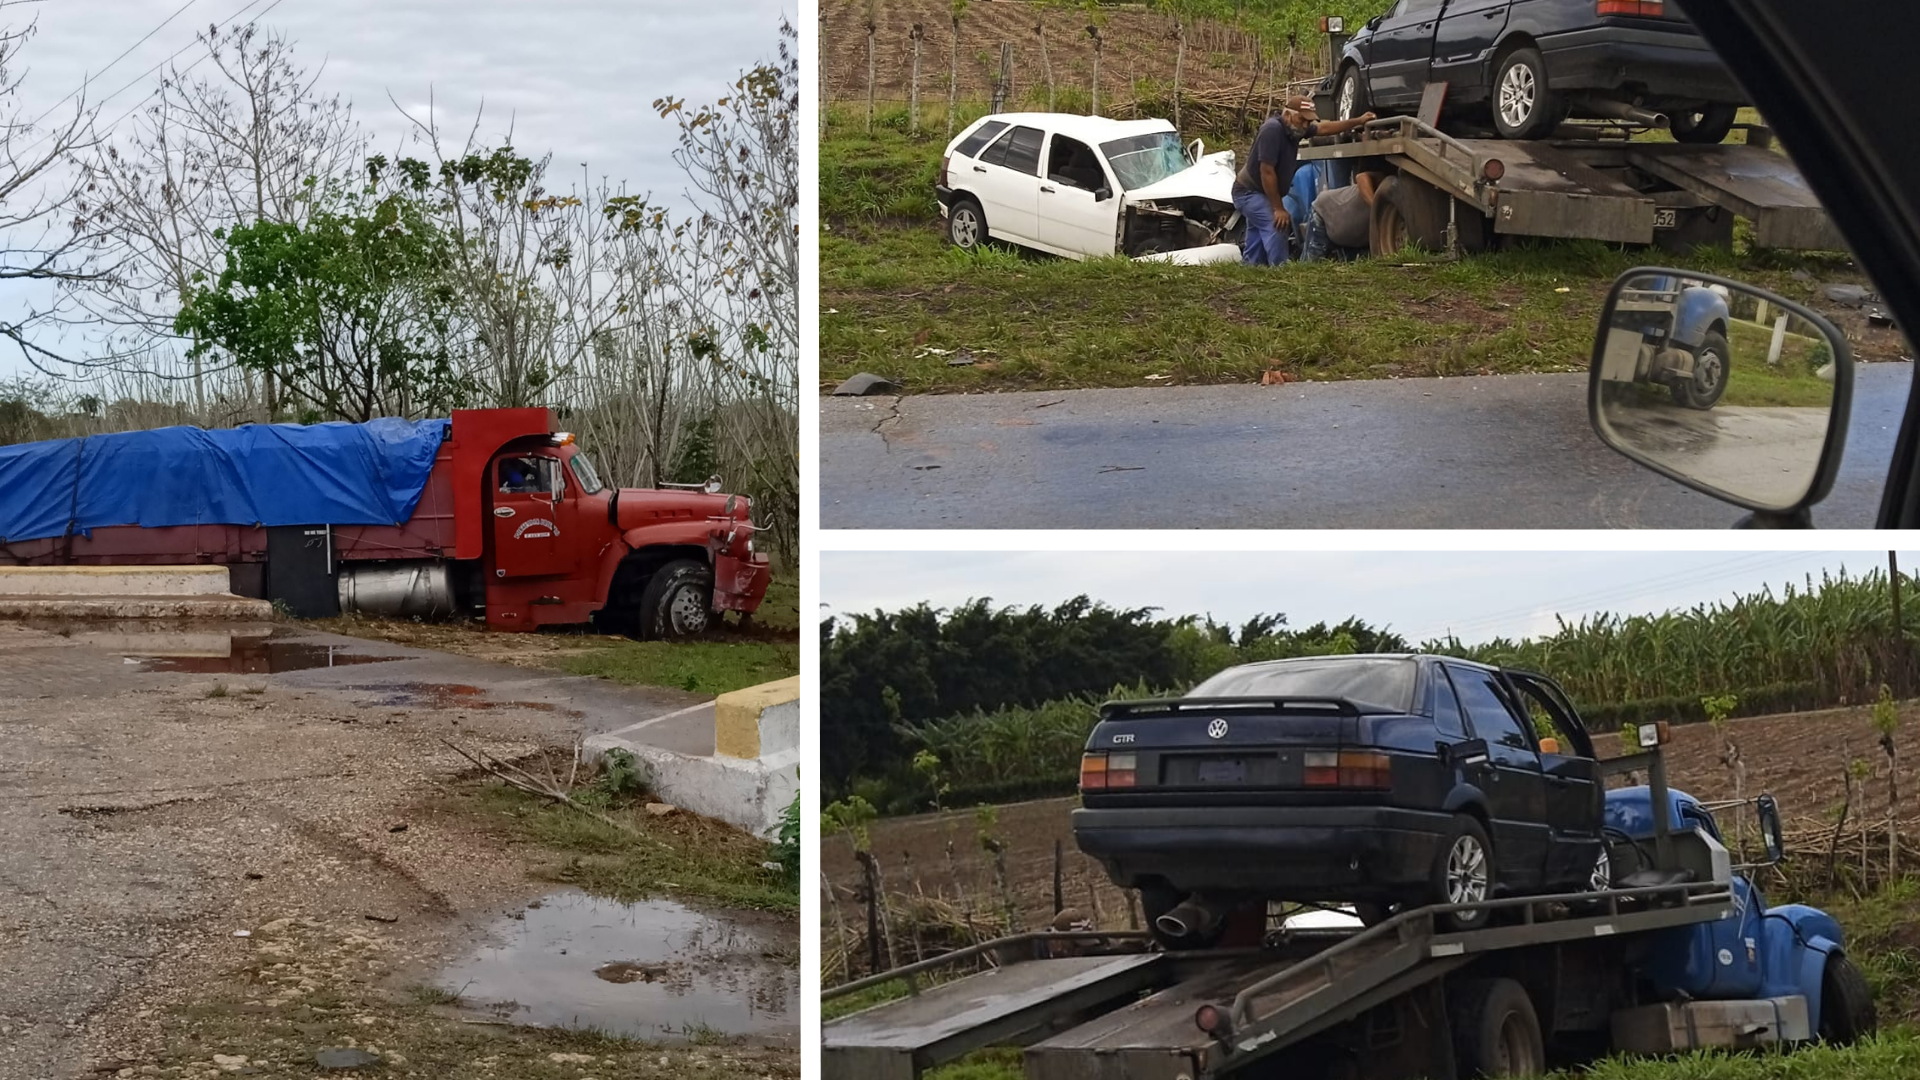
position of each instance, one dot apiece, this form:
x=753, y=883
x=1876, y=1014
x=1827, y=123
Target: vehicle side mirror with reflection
x=1102, y=194
x=1770, y=833
x=1727, y=389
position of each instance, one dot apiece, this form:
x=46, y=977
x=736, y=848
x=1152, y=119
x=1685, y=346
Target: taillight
x=944, y=162
x=1101, y=771
x=1651, y=8
x=1348, y=769
x=1093, y=772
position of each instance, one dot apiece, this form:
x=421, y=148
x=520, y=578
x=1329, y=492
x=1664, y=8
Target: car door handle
x=979, y=168
x=1045, y=190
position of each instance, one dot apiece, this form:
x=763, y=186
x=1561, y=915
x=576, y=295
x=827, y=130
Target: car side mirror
x=1102, y=193
x=1770, y=833
x=1374, y=23
x=1196, y=150
x=1461, y=754
x=1725, y=388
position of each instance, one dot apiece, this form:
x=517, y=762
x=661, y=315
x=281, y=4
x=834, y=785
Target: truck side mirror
x=1770, y=829
x=1727, y=389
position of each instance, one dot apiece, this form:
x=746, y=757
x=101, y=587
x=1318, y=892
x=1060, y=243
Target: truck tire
x=1711, y=362
x=1350, y=98
x=1847, y=1012
x=1495, y=1030
x=1705, y=126
x=1462, y=873
x=1523, y=106
x=1413, y=213
x=678, y=601
x=966, y=224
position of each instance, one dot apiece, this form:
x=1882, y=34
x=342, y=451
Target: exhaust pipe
x=1191, y=917
x=1633, y=114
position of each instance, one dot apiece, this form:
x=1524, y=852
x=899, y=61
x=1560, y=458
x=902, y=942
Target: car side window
x=1021, y=150
x=1446, y=707
x=1072, y=162
x=1487, y=710
x=982, y=135
x=1409, y=8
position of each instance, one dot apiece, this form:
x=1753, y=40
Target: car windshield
x=1382, y=683
x=584, y=472
x=1145, y=159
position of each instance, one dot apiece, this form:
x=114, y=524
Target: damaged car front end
x=1174, y=198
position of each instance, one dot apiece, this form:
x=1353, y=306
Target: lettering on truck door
x=526, y=534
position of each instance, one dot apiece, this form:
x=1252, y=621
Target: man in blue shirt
x=1260, y=187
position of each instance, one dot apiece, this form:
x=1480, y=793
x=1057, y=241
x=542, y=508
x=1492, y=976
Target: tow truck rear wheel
x=1846, y=1002
x=1495, y=1030
x=678, y=601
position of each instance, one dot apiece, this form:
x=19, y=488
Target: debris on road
x=660, y=809
x=345, y=1058
x=865, y=385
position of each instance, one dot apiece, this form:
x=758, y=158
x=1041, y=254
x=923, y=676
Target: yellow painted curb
x=736, y=716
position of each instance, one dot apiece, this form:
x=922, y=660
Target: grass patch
x=997, y=1063
x=1893, y=1055
x=680, y=854
x=703, y=667
x=897, y=299
x=834, y=1008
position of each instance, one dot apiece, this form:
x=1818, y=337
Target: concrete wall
x=66, y=581
x=758, y=721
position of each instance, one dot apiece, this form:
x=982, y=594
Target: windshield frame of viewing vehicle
x=1169, y=149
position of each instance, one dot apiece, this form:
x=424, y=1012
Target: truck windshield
x=1145, y=159
x=1381, y=683
x=584, y=472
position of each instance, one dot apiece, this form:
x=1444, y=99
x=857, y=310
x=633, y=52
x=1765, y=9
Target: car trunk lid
x=1262, y=744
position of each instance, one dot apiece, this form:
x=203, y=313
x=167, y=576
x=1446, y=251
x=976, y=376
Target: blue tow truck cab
x=1671, y=332
x=1759, y=954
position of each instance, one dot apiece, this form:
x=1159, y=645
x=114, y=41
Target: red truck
x=514, y=523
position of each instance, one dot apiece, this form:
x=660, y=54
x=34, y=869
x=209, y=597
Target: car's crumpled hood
x=1211, y=178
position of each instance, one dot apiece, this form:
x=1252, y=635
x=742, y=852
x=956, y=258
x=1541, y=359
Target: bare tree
x=49, y=217
x=252, y=141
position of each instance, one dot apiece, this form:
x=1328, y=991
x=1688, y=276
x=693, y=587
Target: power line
x=88, y=81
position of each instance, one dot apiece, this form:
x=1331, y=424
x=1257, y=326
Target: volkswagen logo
x=1217, y=729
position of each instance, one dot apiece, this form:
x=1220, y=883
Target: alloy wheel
x=1466, y=871
x=966, y=228
x=1518, y=93
x=1601, y=879
x=1349, y=90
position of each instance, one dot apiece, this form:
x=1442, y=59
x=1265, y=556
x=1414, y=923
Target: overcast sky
x=1421, y=596
x=577, y=77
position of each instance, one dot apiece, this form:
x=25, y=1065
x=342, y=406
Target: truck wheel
x=1463, y=874
x=1351, y=99
x=966, y=225
x=1495, y=1030
x=1847, y=1012
x=678, y=601
x=1709, y=125
x=1523, y=106
x=1413, y=213
x=1710, y=363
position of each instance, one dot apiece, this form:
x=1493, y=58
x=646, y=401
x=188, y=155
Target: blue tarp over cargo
x=263, y=474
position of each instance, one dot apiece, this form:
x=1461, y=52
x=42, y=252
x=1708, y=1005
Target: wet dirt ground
x=202, y=837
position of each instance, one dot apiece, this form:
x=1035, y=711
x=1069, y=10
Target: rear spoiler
x=1164, y=707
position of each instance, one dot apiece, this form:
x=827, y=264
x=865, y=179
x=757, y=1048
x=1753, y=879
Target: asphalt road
x=1498, y=452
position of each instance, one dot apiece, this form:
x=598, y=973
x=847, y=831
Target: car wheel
x=1600, y=878
x=1496, y=1031
x=1709, y=125
x=1523, y=105
x=966, y=225
x=678, y=601
x=1463, y=874
x=1710, y=368
x=1373, y=914
x=1846, y=1002
x=1351, y=99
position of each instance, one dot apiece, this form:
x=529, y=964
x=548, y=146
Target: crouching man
x=1340, y=221
x=1260, y=186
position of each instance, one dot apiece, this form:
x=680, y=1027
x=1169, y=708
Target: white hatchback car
x=1082, y=186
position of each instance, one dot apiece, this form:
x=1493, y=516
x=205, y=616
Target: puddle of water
x=450, y=696
x=653, y=970
x=251, y=656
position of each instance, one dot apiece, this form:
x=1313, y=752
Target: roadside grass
x=681, y=854
x=1792, y=382
x=703, y=667
x=834, y=1008
x=899, y=302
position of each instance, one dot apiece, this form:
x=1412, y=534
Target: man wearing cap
x=1259, y=188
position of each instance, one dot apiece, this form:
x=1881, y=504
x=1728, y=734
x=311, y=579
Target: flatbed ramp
x=1100, y=1018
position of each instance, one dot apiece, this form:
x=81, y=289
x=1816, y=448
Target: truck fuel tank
x=1677, y=1026
x=420, y=589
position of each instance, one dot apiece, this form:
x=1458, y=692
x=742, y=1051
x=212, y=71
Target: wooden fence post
x=1094, y=108
x=913, y=94
x=870, y=74
x=1003, y=85
x=1179, y=61
x=874, y=900
x=1046, y=64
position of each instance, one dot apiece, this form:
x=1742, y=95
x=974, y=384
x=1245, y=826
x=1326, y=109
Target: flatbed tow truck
x=1457, y=194
x=1550, y=979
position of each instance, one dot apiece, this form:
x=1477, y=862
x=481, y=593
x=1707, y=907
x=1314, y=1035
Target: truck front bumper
x=739, y=584
x=1661, y=66
x=1273, y=852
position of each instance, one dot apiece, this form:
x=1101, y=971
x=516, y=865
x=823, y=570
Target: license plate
x=1223, y=771
x=1668, y=218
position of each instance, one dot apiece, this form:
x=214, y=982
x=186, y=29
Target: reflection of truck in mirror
x=1668, y=331
x=488, y=514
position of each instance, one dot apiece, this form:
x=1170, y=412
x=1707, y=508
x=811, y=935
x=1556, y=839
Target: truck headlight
x=749, y=547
